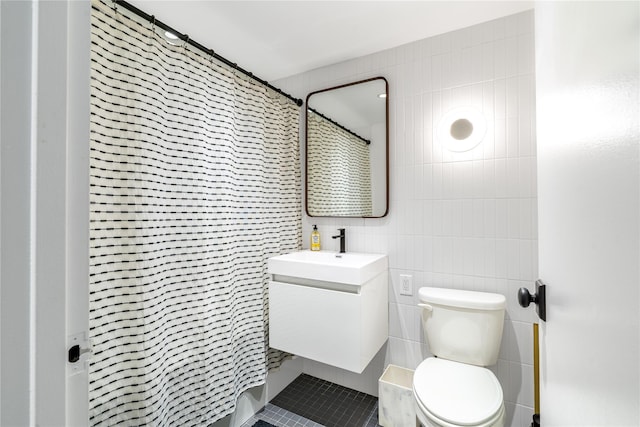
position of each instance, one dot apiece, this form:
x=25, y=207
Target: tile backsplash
x=456, y=220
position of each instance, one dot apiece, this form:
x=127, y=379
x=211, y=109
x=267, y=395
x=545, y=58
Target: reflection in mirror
x=347, y=150
x=346, y=190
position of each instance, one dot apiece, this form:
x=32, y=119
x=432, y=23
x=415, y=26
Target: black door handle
x=539, y=299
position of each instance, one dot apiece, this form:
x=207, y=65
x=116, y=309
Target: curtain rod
x=366, y=141
x=186, y=39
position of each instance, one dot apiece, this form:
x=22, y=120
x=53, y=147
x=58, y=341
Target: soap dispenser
x=315, y=239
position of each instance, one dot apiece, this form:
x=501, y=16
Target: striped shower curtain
x=195, y=182
x=346, y=191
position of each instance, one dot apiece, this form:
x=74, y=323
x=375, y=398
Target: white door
x=587, y=56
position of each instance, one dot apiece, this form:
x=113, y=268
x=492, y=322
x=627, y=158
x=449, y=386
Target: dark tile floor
x=312, y=402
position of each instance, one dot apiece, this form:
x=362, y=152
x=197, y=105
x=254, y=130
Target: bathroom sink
x=350, y=268
x=329, y=307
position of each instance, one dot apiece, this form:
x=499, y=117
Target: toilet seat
x=457, y=394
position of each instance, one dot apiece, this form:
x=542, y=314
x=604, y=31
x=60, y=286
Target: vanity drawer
x=339, y=327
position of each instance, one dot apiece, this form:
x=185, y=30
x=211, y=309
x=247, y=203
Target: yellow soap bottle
x=315, y=239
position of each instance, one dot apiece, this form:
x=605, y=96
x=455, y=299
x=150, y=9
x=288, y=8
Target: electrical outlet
x=406, y=284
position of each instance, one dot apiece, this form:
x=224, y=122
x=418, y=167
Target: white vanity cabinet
x=328, y=308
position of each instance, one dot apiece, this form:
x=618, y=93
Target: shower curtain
x=195, y=182
x=347, y=190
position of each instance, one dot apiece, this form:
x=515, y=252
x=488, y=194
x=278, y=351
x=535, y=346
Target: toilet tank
x=463, y=326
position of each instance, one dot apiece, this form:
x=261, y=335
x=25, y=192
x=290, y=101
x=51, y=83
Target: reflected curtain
x=346, y=190
x=195, y=182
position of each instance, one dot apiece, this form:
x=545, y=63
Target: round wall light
x=461, y=129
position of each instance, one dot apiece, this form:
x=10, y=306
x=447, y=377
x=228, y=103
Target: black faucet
x=342, y=239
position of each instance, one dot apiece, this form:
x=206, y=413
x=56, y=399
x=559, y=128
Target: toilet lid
x=456, y=392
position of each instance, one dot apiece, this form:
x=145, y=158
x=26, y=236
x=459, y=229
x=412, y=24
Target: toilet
x=463, y=330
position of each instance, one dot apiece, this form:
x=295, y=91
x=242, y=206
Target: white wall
x=78, y=30
x=456, y=220
x=44, y=197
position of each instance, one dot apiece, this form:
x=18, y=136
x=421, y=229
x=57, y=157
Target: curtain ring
x=114, y=5
x=153, y=34
x=186, y=41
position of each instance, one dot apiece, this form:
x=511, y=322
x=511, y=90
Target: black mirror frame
x=306, y=157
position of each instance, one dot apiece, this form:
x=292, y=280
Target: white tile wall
x=456, y=220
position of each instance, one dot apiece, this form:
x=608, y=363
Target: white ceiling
x=276, y=39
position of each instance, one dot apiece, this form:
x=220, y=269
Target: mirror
x=347, y=150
